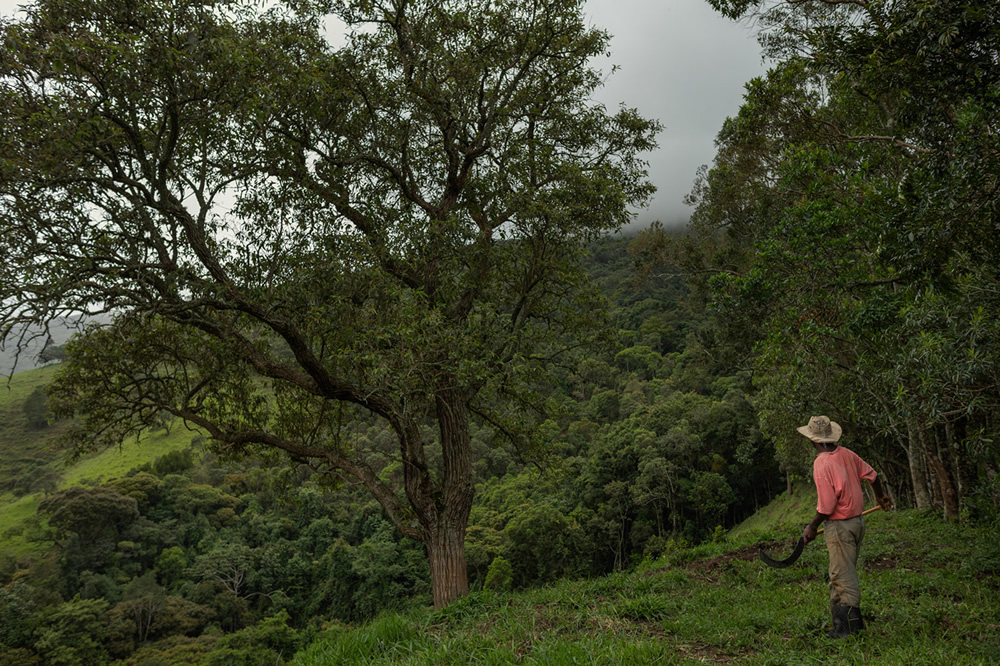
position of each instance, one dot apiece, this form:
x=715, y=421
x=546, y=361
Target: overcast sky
x=685, y=65
x=681, y=63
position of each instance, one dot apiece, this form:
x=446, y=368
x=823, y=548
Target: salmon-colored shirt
x=838, y=475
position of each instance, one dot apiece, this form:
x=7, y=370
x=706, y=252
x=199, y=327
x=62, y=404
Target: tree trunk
x=921, y=496
x=452, y=505
x=962, y=464
x=947, y=488
x=446, y=552
x=990, y=477
x=620, y=545
x=441, y=501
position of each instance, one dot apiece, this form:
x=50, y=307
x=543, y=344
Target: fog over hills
x=33, y=342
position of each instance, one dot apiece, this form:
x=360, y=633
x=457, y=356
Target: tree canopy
x=849, y=224
x=291, y=235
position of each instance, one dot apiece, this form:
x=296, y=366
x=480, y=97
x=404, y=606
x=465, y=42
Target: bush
x=36, y=409
x=500, y=575
x=266, y=644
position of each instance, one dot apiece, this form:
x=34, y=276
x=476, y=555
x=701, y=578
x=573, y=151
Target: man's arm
x=809, y=533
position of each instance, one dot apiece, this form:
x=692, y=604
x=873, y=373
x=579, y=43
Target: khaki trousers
x=843, y=542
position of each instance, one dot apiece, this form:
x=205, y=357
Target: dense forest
x=654, y=446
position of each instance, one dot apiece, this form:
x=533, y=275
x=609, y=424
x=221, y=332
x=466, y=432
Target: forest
x=386, y=345
x=654, y=448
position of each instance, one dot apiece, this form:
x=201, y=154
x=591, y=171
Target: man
x=837, y=473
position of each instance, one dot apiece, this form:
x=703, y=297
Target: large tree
x=289, y=236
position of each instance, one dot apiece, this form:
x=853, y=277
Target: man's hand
x=882, y=496
x=809, y=533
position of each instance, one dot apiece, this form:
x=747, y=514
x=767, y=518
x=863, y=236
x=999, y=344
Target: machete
x=788, y=561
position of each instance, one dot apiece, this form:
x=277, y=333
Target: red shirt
x=838, y=475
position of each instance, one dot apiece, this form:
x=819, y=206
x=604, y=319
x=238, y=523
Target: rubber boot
x=841, y=628
x=855, y=623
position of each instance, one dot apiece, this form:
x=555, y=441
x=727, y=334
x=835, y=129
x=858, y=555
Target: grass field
x=930, y=589
x=115, y=463
x=15, y=516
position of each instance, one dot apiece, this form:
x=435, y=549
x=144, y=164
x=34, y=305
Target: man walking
x=837, y=472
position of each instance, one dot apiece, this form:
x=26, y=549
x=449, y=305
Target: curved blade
x=788, y=561
x=781, y=564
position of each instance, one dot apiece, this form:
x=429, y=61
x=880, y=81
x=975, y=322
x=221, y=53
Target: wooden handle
x=877, y=507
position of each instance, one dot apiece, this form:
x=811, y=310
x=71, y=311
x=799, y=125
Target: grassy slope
x=19, y=445
x=17, y=442
x=115, y=463
x=15, y=514
x=930, y=595
x=795, y=508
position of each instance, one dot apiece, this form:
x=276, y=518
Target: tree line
x=846, y=236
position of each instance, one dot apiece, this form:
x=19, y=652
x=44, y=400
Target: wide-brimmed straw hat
x=822, y=430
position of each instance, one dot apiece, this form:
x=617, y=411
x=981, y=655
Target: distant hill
x=31, y=466
x=59, y=332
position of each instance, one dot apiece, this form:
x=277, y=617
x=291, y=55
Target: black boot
x=847, y=621
x=840, y=621
x=855, y=623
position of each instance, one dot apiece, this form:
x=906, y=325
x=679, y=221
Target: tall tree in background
x=850, y=223
x=290, y=236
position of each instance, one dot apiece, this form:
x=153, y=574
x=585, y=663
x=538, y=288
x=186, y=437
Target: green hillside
x=930, y=597
x=25, y=450
x=31, y=466
x=795, y=508
x=16, y=520
x=115, y=463
x=22, y=443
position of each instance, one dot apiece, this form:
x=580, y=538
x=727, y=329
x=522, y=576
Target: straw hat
x=822, y=430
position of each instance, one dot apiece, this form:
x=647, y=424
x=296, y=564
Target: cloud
x=685, y=65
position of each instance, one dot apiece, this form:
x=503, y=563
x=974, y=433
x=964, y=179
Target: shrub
x=500, y=575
